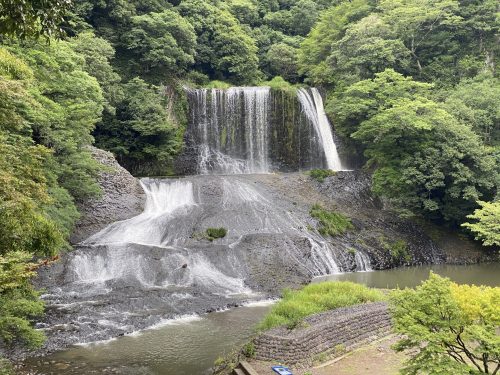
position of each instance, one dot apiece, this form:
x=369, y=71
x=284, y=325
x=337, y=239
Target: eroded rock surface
x=122, y=198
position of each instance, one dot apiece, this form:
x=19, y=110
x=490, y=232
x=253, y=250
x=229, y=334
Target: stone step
x=238, y=371
x=249, y=370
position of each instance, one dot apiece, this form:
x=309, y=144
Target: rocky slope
x=122, y=198
x=159, y=266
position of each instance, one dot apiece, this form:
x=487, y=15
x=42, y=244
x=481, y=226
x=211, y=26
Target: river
x=190, y=345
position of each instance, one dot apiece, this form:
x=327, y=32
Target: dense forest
x=411, y=85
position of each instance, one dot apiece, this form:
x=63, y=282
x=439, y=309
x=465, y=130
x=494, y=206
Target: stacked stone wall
x=331, y=333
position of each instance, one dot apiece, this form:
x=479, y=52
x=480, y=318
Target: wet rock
x=122, y=198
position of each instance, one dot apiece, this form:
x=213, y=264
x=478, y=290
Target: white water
x=362, y=261
x=164, y=199
x=167, y=202
x=235, y=130
x=238, y=112
x=312, y=106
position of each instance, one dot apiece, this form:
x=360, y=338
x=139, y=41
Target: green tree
x=99, y=54
x=476, y=102
x=415, y=22
x=32, y=18
x=486, y=223
x=19, y=302
x=282, y=61
x=162, y=42
x=449, y=328
x=364, y=99
x=329, y=29
x=426, y=160
x=368, y=47
x=143, y=132
x=224, y=49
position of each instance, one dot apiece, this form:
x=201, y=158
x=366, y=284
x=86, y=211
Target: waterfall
x=164, y=199
x=257, y=130
x=312, y=105
x=362, y=261
x=231, y=129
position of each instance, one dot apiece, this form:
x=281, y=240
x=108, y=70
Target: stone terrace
x=329, y=332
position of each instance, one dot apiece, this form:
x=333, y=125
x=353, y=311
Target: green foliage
x=48, y=108
x=316, y=298
x=6, y=367
x=317, y=47
x=476, y=102
x=330, y=223
x=214, y=233
x=398, y=249
x=142, y=131
x=19, y=302
x=486, y=223
x=23, y=193
x=164, y=42
x=449, y=328
x=320, y=174
x=217, y=85
x=367, y=47
x=426, y=160
x=281, y=59
x=224, y=50
x=32, y=18
x=249, y=349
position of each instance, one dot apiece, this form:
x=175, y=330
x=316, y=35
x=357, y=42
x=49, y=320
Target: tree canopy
x=450, y=328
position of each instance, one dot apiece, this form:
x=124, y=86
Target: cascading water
x=231, y=128
x=312, y=105
x=161, y=263
x=256, y=130
x=362, y=261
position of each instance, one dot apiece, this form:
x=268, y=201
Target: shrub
x=249, y=349
x=217, y=85
x=398, y=249
x=449, y=328
x=351, y=251
x=320, y=174
x=316, y=298
x=6, y=367
x=214, y=233
x=331, y=223
x=278, y=83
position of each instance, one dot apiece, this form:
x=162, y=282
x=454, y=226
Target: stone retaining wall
x=329, y=332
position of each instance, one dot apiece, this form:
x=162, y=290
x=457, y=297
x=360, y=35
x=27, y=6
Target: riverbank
x=376, y=357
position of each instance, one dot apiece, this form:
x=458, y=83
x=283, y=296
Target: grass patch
x=320, y=174
x=351, y=251
x=278, y=83
x=249, y=350
x=214, y=233
x=398, y=249
x=316, y=298
x=331, y=223
x=217, y=85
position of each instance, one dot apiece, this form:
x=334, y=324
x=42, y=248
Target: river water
x=190, y=345
x=185, y=346
x=479, y=274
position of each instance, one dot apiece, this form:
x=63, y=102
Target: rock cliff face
x=122, y=198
